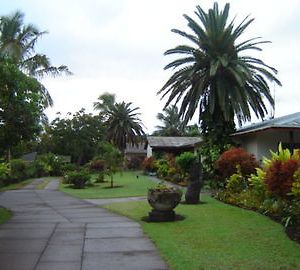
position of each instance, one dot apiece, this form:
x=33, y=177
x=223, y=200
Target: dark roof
x=173, y=142
x=29, y=157
x=135, y=149
x=291, y=121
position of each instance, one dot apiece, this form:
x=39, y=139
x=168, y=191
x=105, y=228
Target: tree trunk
x=111, y=181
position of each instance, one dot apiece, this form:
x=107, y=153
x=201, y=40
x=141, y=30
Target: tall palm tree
x=215, y=74
x=123, y=125
x=172, y=124
x=17, y=43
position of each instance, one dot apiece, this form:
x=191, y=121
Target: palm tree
x=17, y=43
x=172, y=124
x=123, y=125
x=215, y=75
x=105, y=102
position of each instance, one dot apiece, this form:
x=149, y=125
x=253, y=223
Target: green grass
x=4, y=215
x=130, y=186
x=16, y=185
x=217, y=236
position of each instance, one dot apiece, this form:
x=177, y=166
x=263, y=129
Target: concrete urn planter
x=163, y=200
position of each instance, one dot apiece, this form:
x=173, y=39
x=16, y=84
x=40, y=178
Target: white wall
x=261, y=143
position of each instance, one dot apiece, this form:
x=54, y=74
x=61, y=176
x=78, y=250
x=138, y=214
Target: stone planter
x=163, y=201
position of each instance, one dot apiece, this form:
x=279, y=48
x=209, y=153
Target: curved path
x=51, y=230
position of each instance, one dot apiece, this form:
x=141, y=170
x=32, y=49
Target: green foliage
x=295, y=191
x=236, y=182
x=257, y=184
x=4, y=173
x=18, y=170
x=78, y=179
x=185, y=160
x=214, y=67
x=112, y=157
x=21, y=106
x=77, y=136
x=48, y=165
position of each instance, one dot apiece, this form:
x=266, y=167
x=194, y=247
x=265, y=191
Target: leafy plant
x=18, y=169
x=185, y=160
x=279, y=176
x=148, y=164
x=230, y=159
x=236, y=182
x=78, y=179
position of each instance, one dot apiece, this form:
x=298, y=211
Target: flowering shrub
x=227, y=163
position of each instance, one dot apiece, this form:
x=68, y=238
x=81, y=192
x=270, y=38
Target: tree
x=123, y=125
x=113, y=159
x=215, y=75
x=21, y=106
x=77, y=136
x=105, y=102
x=172, y=124
x=18, y=41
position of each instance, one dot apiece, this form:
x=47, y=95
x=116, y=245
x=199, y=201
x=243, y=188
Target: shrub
x=257, y=184
x=227, y=163
x=18, y=169
x=78, y=179
x=48, y=164
x=4, y=173
x=185, y=160
x=236, y=182
x=68, y=167
x=295, y=191
x=100, y=177
x=134, y=163
x=279, y=176
x=148, y=164
x=97, y=165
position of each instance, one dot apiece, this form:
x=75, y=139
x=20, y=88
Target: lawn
x=4, y=215
x=127, y=185
x=217, y=236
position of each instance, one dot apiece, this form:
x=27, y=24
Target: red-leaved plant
x=279, y=176
x=227, y=163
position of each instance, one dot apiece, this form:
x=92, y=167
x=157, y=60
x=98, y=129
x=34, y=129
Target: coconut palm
x=123, y=125
x=172, y=124
x=214, y=73
x=17, y=43
x=105, y=102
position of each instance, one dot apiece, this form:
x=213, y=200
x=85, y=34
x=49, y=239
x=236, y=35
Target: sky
x=117, y=46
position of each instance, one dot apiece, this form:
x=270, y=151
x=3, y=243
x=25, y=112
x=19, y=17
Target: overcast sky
x=117, y=46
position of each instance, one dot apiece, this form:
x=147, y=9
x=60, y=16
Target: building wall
x=261, y=143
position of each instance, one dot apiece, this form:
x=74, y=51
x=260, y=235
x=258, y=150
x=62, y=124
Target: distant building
x=174, y=145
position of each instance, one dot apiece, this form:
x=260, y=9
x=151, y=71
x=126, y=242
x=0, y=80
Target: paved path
x=50, y=230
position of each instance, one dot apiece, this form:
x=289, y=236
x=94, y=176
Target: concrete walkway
x=50, y=230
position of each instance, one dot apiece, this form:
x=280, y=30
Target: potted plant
x=163, y=199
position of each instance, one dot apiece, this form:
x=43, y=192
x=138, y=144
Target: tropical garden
x=216, y=76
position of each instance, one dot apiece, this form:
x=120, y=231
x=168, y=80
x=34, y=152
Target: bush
x=18, y=170
x=78, y=179
x=4, y=173
x=280, y=176
x=100, y=177
x=48, y=164
x=68, y=167
x=148, y=164
x=134, y=163
x=97, y=165
x=236, y=182
x=227, y=163
x=185, y=160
